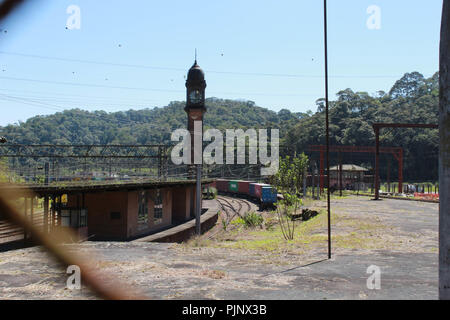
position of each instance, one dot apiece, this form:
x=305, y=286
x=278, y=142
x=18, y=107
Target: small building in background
x=353, y=177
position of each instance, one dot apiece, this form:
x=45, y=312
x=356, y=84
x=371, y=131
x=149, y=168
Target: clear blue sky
x=270, y=52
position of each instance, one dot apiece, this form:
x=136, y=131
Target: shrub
x=252, y=219
x=286, y=210
x=238, y=221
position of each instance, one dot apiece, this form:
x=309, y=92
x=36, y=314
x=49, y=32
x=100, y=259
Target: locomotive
x=264, y=194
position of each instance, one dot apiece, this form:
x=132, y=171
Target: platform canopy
x=88, y=187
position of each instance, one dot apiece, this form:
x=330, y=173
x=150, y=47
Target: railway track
x=233, y=208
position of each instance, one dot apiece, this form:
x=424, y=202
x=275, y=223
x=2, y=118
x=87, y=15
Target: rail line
x=232, y=207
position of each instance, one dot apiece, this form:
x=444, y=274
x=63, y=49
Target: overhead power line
x=51, y=95
x=60, y=108
x=146, y=89
x=141, y=66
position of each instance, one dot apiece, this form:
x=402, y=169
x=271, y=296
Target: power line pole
x=389, y=176
x=327, y=131
x=340, y=174
x=198, y=202
x=444, y=156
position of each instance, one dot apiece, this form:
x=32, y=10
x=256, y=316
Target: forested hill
x=144, y=126
x=412, y=99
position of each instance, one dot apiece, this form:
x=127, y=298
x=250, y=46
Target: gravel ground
x=408, y=264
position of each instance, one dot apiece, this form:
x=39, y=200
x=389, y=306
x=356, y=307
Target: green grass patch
x=310, y=234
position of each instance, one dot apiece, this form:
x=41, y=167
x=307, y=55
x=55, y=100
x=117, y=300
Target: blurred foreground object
x=444, y=155
x=105, y=287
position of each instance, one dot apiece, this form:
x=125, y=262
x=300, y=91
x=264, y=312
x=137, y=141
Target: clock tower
x=195, y=101
x=195, y=108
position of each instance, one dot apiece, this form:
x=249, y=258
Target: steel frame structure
x=397, y=152
x=83, y=151
x=377, y=127
x=99, y=151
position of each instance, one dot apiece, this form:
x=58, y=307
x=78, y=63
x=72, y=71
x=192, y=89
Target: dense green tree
x=408, y=85
x=413, y=99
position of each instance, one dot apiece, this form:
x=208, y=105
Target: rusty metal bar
x=377, y=162
x=359, y=149
x=399, y=154
x=405, y=125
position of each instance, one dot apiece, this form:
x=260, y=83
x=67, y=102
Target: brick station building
x=116, y=211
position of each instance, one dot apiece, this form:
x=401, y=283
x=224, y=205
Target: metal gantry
x=130, y=156
x=378, y=150
x=396, y=151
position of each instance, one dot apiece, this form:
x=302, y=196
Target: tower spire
x=195, y=55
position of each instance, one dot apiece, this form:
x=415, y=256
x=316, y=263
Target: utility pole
x=327, y=131
x=198, y=202
x=340, y=174
x=444, y=156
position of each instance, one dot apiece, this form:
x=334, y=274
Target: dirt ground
x=399, y=237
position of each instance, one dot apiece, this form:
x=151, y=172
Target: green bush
x=252, y=219
x=238, y=221
x=292, y=199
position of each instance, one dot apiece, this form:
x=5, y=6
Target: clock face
x=195, y=97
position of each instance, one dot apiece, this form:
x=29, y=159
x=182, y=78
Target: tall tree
x=408, y=85
x=444, y=156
